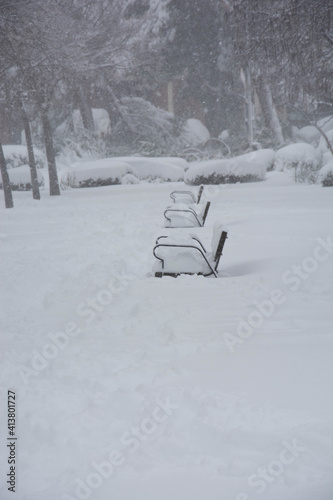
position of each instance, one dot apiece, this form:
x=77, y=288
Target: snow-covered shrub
x=328, y=180
x=265, y=156
x=76, y=145
x=17, y=155
x=141, y=129
x=130, y=179
x=154, y=169
x=96, y=173
x=20, y=178
x=301, y=160
x=244, y=168
x=311, y=134
x=308, y=134
x=146, y=129
x=73, y=142
x=325, y=175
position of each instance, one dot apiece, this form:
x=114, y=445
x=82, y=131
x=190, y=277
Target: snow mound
x=266, y=156
x=171, y=160
x=96, y=173
x=17, y=155
x=153, y=169
x=195, y=132
x=308, y=134
x=245, y=168
x=300, y=160
x=296, y=152
x=130, y=179
x=20, y=178
x=311, y=134
x=175, y=160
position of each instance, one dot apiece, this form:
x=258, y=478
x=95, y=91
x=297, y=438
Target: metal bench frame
x=202, y=251
x=190, y=210
x=188, y=193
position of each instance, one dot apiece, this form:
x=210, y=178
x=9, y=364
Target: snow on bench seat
x=185, y=254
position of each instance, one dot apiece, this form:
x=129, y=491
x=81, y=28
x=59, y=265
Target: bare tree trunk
x=111, y=106
x=117, y=113
x=53, y=175
x=32, y=162
x=7, y=190
x=85, y=110
x=269, y=112
x=249, y=105
x=115, y=109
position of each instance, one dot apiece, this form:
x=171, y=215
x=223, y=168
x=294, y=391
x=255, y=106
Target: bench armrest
x=166, y=245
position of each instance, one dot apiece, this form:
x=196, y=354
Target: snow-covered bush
x=76, y=145
x=245, y=168
x=301, y=160
x=325, y=175
x=73, y=142
x=96, y=173
x=17, y=155
x=328, y=180
x=146, y=129
x=309, y=134
x=130, y=179
x=154, y=169
x=20, y=178
x=141, y=129
x=265, y=156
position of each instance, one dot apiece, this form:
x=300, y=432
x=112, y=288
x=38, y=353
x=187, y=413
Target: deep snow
x=152, y=374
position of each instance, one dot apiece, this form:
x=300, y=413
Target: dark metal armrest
x=183, y=246
x=196, y=239
x=193, y=238
x=182, y=210
x=160, y=237
x=182, y=192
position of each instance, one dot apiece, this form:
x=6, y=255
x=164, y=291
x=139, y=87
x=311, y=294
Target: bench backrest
x=205, y=212
x=218, y=241
x=200, y=193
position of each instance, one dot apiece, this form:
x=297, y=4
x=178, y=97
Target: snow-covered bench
x=186, y=254
x=180, y=215
x=186, y=197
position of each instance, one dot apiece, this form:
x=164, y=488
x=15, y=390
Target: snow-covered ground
x=132, y=387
